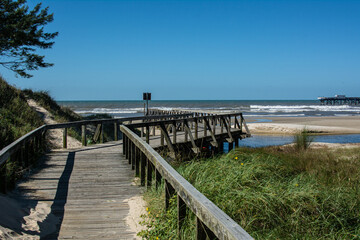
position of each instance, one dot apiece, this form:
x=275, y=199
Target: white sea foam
x=110, y=111
x=303, y=108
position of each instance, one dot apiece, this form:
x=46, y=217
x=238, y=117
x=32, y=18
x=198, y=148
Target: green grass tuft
x=303, y=139
x=279, y=193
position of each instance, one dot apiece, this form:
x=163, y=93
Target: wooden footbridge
x=88, y=189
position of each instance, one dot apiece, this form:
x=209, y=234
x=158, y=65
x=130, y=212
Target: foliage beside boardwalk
x=16, y=117
x=274, y=193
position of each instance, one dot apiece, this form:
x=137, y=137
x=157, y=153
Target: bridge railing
x=211, y=221
x=217, y=128
x=23, y=152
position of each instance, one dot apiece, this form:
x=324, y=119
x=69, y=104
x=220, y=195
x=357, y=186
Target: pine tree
x=21, y=34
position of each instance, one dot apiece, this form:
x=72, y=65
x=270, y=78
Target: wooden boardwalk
x=87, y=190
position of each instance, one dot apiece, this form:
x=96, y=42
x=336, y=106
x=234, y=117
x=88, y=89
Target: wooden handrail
x=24, y=148
x=207, y=213
x=112, y=120
x=180, y=120
x=6, y=152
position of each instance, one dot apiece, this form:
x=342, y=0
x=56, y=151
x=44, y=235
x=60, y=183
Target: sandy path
x=55, y=135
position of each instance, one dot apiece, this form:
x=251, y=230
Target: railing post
x=83, y=135
x=203, y=232
x=142, y=170
x=174, y=132
x=115, y=131
x=181, y=210
x=102, y=133
x=169, y=192
x=231, y=146
x=147, y=134
x=162, y=138
x=157, y=178
x=205, y=128
x=214, y=124
x=3, y=179
x=137, y=162
x=196, y=128
x=149, y=171
x=124, y=146
x=129, y=150
x=133, y=155
x=65, y=138
x=241, y=122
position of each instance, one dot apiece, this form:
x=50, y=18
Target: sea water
x=253, y=108
x=257, y=109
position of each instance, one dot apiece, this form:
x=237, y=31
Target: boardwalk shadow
x=60, y=199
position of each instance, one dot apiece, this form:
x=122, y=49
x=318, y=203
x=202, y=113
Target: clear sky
x=115, y=50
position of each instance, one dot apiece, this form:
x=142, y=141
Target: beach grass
x=274, y=193
x=303, y=139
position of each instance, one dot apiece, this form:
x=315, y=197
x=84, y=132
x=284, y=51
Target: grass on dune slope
x=275, y=193
x=16, y=117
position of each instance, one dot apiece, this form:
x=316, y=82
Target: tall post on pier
x=147, y=97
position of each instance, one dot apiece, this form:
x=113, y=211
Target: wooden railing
x=23, y=152
x=211, y=221
x=216, y=128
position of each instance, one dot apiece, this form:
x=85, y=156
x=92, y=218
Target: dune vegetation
x=273, y=193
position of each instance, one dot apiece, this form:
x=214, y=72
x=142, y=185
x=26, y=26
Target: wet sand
x=291, y=125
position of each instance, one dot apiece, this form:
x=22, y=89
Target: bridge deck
x=87, y=189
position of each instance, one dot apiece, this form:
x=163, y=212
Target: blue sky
x=115, y=50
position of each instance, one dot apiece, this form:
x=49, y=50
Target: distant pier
x=339, y=100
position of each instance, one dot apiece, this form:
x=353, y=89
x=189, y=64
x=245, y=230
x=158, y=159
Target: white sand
x=55, y=135
x=321, y=125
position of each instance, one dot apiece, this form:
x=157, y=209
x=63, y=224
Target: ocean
x=254, y=108
x=250, y=108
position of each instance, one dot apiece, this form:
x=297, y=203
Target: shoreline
x=319, y=125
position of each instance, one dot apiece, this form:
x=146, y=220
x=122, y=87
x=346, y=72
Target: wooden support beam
x=207, y=124
x=97, y=133
x=230, y=139
x=188, y=131
x=237, y=123
x=245, y=125
x=167, y=138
